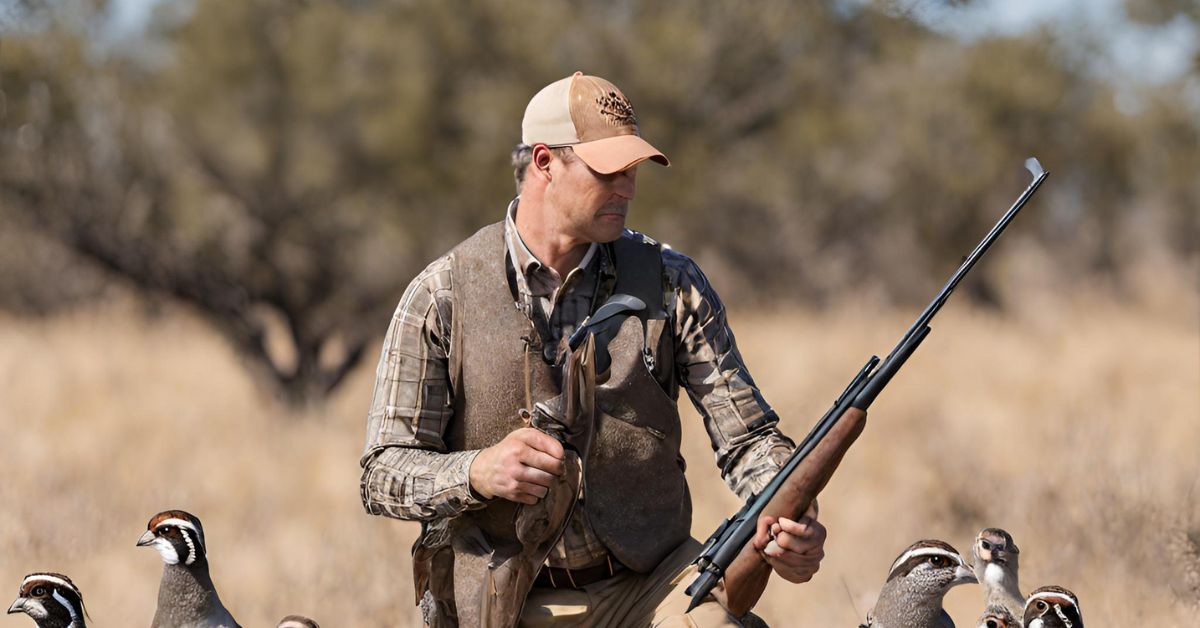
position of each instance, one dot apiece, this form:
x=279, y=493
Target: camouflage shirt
x=408, y=472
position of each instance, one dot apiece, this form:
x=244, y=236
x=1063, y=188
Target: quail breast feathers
x=187, y=597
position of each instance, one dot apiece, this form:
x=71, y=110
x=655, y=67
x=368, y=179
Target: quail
x=297, y=621
x=916, y=584
x=994, y=558
x=186, y=595
x=996, y=616
x=51, y=599
x=1052, y=607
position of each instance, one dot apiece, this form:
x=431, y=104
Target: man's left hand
x=795, y=548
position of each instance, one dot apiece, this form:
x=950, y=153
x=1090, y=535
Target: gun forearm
x=747, y=575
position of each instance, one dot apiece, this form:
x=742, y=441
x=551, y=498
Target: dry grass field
x=1073, y=420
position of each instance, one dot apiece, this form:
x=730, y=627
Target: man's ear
x=541, y=159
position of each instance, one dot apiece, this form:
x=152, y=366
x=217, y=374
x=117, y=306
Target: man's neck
x=550, y=246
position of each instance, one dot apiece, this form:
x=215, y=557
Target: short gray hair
x=523, y=154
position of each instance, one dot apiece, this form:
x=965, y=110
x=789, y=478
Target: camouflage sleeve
x=741, y=425
x=407, y=472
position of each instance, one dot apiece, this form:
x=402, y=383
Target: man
x=479, y=338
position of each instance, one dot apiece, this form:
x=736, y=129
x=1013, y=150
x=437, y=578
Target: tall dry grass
x=1072, y=420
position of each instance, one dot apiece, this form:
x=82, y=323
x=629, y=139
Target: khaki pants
x=630, y=599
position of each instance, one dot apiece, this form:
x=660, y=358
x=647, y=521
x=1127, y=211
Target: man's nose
x=625, y=182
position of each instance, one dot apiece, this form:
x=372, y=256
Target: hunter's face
x=594, y=205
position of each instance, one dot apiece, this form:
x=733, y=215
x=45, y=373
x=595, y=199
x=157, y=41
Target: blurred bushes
x=296, y=163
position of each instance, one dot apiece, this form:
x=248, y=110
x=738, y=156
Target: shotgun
x=727, y=553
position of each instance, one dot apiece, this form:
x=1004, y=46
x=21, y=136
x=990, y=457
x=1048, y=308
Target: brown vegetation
x=1072, y=422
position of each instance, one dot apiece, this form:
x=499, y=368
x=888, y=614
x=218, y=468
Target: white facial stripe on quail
x=67, y=605
x=167, y=551
x=50, y=579
x=187, y=538
x=180, y=523
x=926, y=551
x=1063, y=616
x=1037, y=623
x=1045, y=595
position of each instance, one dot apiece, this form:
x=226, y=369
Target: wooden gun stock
x=746, y=578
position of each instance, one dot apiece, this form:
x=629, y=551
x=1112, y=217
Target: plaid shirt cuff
x=418, y=484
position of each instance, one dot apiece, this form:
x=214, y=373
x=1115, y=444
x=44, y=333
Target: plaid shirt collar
x=524, y=259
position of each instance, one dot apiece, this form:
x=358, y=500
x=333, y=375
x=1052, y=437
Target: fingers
x=763, y=532
x=542, y=461
x=795, y=548
x=521, y=492
x=527, y=493
x=524, y=484
x=806, y=536
x=800, y=571
x=540, y=441
x=536, y=477
x=521, y=468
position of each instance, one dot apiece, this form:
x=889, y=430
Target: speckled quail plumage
x=1052, y=607
x=186, y=595
x=994, y=559
x=916, y=585
x=996, y=616
x=51, y=600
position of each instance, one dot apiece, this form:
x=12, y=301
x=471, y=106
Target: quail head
x=1052, y=607
x=186, y=595
x=51, y=599
x=297, y=621
x=916, y=584
x=996, y=616
x=994, y=559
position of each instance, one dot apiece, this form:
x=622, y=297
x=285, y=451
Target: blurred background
x=211, y=207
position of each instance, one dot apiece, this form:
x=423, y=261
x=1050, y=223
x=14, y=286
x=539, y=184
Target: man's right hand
x=519, y=468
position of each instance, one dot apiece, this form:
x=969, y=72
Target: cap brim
x=614, y=154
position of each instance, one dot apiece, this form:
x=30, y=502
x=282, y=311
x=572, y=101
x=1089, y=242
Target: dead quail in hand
x=916, y=584
x=51, y=599
x=186, y=595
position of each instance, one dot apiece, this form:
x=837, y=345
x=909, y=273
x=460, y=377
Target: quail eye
x=937, y=561
x=985, y=545
x=1042, y=606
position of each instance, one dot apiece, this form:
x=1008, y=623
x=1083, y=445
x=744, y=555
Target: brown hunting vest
x=635, y=495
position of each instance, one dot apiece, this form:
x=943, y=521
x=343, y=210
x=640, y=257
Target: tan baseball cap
x=594, y=118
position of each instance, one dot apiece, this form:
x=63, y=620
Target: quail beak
x=147, y=539
x=17, y=606
x=964, y=575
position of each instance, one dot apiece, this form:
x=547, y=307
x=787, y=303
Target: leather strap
x=559, y=578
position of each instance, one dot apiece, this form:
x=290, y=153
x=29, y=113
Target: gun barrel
x=934, y=306
x=888, y=369
x=727, y=542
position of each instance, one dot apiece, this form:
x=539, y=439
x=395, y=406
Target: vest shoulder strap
x=638, y=261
